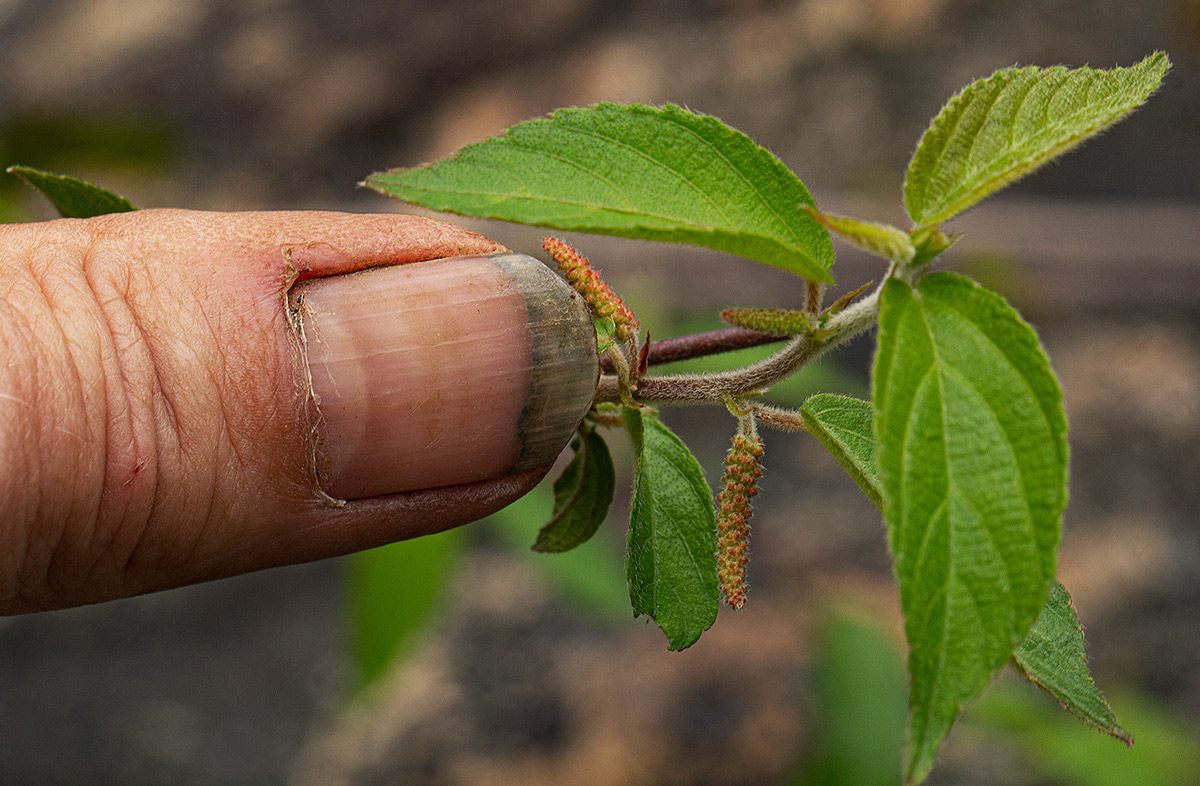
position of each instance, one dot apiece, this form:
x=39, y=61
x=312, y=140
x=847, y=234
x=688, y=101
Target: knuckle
x=88, y=448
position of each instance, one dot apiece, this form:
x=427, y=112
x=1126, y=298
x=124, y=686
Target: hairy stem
x=813, y=295
x=776, y=417
x=756, y=377
x=698, y=345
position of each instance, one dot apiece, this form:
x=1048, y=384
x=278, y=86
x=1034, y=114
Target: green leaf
x=582, y=495
x=844, y=426
x=1054, y=657
x=632, y=170
x=606, y=330
x=72, y=197
x=394, y=592
x=672, y=565
x=882, y=240
x=972, y=457
x=1003, y=127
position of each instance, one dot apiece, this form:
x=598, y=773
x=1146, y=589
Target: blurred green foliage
x=78, y=145
x=1063, y=751
x=859, y=689
x=590, y=577
x=395, y=590
x=398, y=590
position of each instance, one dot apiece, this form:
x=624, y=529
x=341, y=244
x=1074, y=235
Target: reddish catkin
x=743, y=468
x=599, y=296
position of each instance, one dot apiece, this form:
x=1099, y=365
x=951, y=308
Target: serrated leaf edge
x=814, y=267
x=1024, y=168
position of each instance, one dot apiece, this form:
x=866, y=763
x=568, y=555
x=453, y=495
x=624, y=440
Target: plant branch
x=756, y=377
x=698, y=345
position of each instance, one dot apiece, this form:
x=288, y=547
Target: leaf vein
x=572, y=163
x=662, y=165
x=745, y=179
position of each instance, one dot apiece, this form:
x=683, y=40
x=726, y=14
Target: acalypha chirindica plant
x=963, y=445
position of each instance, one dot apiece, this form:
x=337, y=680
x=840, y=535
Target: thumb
x=190, y=395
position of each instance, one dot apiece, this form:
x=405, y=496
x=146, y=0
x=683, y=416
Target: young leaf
x=844, y=426
x=972, y=456
x=1002, y=128
x=882, y=240
x=672, y=563
x=582, y=495
x=72, y=197
x=1054, y=657
x=929, y=243
x=654, y=173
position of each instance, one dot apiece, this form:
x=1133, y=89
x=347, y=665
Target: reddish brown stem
x=696, y=345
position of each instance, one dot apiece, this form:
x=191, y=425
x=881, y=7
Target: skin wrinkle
x=210, y=441
x=167, y=439
x=161, y=410
x=14, y=339
x=97, y=538
x=48, y=548
x=113, y=532
x=70, y=282
x=135, y=370
x=180, y=299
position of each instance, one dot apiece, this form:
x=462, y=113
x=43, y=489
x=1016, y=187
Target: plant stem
x=775, y=417
x=757, y=377
x=814, y=293
x=697, y=345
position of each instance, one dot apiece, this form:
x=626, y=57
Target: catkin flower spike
x=599, y=296
x=739, y=484
x=776, y=321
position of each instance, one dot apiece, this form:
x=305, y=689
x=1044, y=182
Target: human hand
x=188, y=395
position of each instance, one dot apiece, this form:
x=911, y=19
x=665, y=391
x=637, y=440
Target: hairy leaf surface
x=72, y=197
x=844, y=426
x=582, y=495
x=1054, y=657
x=1003, y=127
x=972, y=460
x=882, y=240
x=654, y=173
x=672, y=565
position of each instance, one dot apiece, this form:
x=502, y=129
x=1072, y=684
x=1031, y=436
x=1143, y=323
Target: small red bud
x=599, y=296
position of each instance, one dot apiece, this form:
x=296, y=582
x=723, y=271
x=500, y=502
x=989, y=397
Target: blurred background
x=465, y=658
